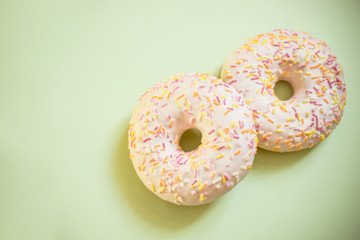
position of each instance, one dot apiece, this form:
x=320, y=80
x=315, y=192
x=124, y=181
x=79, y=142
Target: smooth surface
x=71, y=74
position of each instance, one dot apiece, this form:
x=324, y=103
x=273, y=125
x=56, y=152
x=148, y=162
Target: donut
x=228, y=142
x=317, y=105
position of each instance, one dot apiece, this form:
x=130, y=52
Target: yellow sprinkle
x=202, y=197
x=298, y=71
x=153, y=187
x=187, y=106
x=264, y=41
x=307, y=114
x=310, y=133
x=279, y=130
x=306, y=55
x=248, y=66
x=273, y=111
x=248, y=102
x=164, y=93
x=308, y=74
x=220, y=156
x=223, y=135
x=289, y=119
x=251, y=75
x=202, y=105
x=261, y=58
x=234, y=124
x=322, y=137
x=265, y=115
x=178, y=103
x=235, y=105
x=279, y=125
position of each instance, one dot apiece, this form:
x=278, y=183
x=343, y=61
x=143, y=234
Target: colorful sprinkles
x=311, y=68
x=227, y=150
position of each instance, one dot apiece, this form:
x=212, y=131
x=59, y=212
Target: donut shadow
x=268, y=161
x=144, y=203
x=217, y=71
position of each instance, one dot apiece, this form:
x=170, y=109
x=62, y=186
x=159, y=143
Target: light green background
x=71, y=73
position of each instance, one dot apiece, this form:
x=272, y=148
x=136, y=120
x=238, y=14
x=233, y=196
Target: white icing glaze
x=227, y=147
x=309, y=66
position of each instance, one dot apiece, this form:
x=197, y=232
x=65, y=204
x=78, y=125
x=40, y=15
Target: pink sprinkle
x=241, y=124
x=187, y=112
x=226, y=177
x=211, y=131
x=210, y=89
x=147, y=139
x=221, y=148
x=232, y=82
x=194, y=182
x=251, y=144
x=175, y=90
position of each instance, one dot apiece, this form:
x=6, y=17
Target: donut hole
x=190, y=140
x=283, y=90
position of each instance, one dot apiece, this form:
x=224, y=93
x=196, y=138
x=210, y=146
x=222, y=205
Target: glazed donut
x=228, y=143
x=309, y=66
